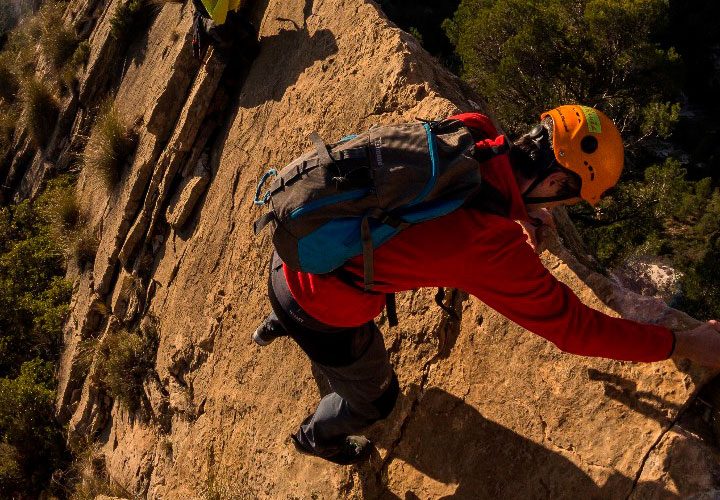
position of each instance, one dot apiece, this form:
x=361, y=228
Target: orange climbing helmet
x=587, y=142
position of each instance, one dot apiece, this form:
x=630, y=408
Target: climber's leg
x=355, y=362
x=364, y=391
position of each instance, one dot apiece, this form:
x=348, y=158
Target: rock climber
x=224, y=24
x=575, y=153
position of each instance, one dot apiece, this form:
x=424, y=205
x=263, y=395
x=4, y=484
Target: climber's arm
x=508, y=276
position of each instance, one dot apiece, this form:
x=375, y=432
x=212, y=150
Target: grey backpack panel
x=336, y=202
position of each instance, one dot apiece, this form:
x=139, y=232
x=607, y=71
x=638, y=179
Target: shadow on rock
x=466, y=455
x=283, y=58
x=625, y=391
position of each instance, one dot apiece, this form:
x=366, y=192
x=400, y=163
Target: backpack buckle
x=263, y=201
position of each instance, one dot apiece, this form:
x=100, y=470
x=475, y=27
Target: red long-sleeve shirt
x=487, y=256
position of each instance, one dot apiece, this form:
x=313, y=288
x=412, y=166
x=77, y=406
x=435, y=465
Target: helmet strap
x=546, y=199
x=546, y=172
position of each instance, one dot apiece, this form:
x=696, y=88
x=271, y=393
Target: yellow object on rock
x=218, y=9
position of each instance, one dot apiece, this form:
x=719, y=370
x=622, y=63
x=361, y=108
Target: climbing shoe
x=355, y=449
x=269, y=330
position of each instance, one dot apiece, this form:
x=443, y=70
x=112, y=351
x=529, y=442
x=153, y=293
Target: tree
x=526, y=56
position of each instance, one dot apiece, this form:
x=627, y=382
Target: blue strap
x=432, y=149
x=270, y=173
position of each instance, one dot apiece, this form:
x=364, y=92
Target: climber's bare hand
x=701, y=344
x=540, y=220
x=542, y=217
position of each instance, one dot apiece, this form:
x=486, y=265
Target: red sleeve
x=479, y=125
x=511, y=279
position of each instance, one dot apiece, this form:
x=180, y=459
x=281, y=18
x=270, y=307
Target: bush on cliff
x=57, y=42
x=126, y=360
x=78, y=61
x=128, y=20
x=664, y=214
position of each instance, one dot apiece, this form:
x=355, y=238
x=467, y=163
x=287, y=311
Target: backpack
x=336, y=202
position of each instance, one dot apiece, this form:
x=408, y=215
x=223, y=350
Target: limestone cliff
x=488, y=409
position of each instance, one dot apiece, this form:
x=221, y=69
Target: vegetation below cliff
x=34, y=300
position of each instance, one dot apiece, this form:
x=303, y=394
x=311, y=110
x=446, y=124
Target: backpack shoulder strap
x=489, y=199
x=322, y=150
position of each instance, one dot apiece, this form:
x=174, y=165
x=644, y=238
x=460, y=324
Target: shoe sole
x=259, y=340
x=363, y=456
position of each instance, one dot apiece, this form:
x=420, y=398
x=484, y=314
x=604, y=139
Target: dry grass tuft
x=87, y=478
x=84, y=248
x=110, y=144
x=58, y=45
x=40, y=111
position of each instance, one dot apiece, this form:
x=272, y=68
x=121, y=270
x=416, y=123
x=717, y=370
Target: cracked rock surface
x=488, y=410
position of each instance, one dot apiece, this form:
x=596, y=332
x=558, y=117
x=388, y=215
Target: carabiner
x=266, y=198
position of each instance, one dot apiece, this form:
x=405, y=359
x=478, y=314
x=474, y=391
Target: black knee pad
x=386, y=402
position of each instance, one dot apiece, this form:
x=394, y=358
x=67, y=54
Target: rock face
x=488, y=409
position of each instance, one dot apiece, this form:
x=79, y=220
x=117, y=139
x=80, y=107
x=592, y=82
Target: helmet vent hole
x=589, y=144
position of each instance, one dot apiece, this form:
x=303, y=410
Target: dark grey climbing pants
x=354, y=360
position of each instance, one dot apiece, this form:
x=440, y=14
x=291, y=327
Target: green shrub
x=664, y=214
x=34, y=303
x=11, y=474
x=109, y=146
x=27, y=424
x=79, y=60
x=528, y=56
x=81, y=55
x=126, y=359
x=40, y=111
x=59, y=205
x=33, y=294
